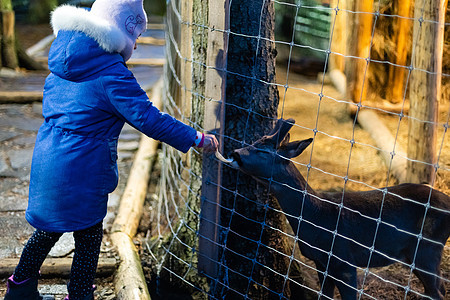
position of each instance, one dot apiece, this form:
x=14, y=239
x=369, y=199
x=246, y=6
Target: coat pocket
x=113, y=150
x=112, y=174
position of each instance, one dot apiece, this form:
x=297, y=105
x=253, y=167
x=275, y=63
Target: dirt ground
x=332, y=157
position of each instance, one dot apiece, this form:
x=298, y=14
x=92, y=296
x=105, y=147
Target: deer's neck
x=291, y=177
x=288, y=187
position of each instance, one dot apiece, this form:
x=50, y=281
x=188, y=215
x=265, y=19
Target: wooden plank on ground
x=384, y=140
x=41, y=45
x=131, y=204
x=20, y=96
x=58, y=267
x=129, y=280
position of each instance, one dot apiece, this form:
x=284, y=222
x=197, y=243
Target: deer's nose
x=236, y=157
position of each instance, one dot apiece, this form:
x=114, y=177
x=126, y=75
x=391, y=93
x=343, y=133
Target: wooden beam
x=385, y=141
x=58, y=267
x=131, y=204
x=369, y=121
x=425, y=89
x=148, y=40
x=20, y=96
x=157, y=62
x=156, y=26
x=129, y=280
x=339, y=81
x=41, y=45
x=154, y=62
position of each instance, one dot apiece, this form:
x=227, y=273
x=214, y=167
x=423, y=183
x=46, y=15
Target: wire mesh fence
x=353, y=77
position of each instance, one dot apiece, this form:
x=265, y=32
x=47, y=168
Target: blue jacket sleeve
x=128, y=101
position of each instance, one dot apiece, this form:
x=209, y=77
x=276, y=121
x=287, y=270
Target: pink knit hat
x=127, y=15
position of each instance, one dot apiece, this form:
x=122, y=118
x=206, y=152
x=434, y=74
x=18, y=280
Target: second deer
x=341, y=232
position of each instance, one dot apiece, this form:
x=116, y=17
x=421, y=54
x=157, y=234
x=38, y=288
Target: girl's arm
x=128, y=101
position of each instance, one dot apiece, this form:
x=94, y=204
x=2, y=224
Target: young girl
x=88, y=96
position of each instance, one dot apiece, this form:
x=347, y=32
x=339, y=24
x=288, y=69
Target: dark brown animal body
x=408, y=223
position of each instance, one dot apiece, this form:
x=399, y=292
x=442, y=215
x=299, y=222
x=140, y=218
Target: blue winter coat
x=88, y=96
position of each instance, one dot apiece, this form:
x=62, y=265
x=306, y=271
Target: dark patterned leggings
x=84, y=264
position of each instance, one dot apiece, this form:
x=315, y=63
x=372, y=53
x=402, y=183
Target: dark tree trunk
x=8, y=41
x=251, y=262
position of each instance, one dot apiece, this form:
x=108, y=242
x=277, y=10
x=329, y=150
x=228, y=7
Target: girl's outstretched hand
x=206, y=141
x=210, y=143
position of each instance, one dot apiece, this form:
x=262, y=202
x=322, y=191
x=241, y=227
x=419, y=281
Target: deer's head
x=269, y=154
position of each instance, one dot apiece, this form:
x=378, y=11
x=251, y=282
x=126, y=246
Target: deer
x=343, y=231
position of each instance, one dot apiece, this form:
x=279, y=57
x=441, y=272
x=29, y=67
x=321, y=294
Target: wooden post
x=365, y=28
x=214, y=110
x=425, y=89
x=186, y=53
x=339, y=32
x=1, y=40
x=351, y=22
x=5, y=5
x=396, y=88
x=341, y=35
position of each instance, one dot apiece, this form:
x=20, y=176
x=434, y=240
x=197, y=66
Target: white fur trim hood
x=109, y=37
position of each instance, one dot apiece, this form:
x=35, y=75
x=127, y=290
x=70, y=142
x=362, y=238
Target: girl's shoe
x=25, y=290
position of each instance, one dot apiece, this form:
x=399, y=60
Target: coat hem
x=38, y=225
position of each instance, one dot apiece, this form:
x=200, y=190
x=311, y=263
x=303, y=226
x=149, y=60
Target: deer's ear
x=276, y=128
x=286, y=125
x=281, y=129
x=285, y=142
x=294, y=149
